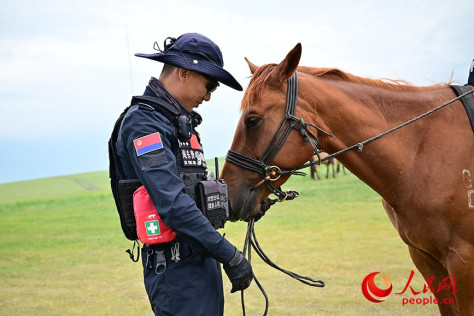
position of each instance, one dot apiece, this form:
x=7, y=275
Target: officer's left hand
x=239, y=272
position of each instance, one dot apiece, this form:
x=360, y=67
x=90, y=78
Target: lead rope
x=252, y=242
x=247, y=251
x=360, y=146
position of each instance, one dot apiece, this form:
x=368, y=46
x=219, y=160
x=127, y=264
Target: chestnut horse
x=422, y=171
x=329, y=165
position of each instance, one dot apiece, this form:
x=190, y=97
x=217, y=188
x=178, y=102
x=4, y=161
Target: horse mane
x=256, y=85
x=337, y=74
x=262, y=74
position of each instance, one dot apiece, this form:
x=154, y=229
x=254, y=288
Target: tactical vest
x=210, y=196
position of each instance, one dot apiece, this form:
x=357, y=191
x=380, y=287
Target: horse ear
x=251, y=66
x=288, y=66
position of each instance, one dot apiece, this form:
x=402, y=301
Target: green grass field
x=62, y=252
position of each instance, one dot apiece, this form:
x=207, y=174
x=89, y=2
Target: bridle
x=271, y=173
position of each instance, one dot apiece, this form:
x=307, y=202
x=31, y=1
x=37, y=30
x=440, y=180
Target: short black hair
x=167, y=69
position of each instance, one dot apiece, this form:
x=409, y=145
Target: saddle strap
x=467, y=101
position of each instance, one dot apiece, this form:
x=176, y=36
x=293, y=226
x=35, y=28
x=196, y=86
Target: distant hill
x=64, y=186
x=50, y=188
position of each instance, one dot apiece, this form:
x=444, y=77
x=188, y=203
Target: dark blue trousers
x=191, y=286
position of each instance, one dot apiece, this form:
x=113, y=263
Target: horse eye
x=253, y=121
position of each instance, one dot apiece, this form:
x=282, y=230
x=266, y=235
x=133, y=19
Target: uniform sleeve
x=157, y=170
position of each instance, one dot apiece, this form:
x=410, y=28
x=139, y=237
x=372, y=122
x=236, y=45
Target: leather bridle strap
x=271, y=173
x=291, y=99
x=267, y=172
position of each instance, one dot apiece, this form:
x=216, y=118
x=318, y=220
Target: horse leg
x=460, y=263
x=333, y=174
x=429, y=268
x=327, y=170
x=339, y=165
x=426, y=264
x=314, y=171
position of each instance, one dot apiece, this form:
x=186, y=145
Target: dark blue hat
x=195, y=52
x=471, y=73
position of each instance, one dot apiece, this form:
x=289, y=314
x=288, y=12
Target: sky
x=67, y=68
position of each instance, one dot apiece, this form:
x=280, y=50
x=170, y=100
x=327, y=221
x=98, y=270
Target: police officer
x=182, y=277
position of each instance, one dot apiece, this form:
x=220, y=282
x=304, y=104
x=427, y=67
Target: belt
x=166, y=253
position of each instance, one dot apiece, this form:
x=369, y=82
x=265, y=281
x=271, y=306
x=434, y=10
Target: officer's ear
x=183, y=74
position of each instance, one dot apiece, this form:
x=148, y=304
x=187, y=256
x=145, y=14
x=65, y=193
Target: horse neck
x=355, y=113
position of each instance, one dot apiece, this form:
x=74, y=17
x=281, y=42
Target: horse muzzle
x=244, y=205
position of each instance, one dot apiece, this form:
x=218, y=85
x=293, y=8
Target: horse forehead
x=265, y=99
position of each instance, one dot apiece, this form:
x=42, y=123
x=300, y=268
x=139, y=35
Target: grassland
x=62, y=252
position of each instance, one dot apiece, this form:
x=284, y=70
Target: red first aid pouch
x=150, y=228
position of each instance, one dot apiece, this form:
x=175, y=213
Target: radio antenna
x=129, y=59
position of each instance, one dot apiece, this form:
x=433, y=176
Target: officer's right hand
x=239, y=271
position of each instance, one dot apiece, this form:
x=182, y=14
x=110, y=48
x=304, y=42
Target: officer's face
x=195, y=90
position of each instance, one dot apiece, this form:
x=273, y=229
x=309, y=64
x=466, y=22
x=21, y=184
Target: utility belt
x=211, y=198
x=158, y=257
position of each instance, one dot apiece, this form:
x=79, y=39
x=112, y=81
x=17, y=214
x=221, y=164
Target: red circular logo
x=372, y=292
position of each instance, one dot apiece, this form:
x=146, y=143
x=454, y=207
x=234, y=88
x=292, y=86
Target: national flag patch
x=147, y=143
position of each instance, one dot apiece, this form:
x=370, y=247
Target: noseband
x=262, y=166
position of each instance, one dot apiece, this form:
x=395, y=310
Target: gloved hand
x=239, y=271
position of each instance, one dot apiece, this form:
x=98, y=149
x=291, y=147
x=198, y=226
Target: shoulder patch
x=148, y=143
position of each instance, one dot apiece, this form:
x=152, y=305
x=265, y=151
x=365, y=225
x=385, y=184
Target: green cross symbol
x=152, y=228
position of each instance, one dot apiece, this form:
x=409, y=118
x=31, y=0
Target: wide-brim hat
x=195, y=52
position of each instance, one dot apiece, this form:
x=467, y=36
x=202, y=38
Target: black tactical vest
x=191, y=163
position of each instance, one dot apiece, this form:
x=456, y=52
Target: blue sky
x=67, y=67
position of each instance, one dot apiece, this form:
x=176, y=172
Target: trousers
x=190, y=286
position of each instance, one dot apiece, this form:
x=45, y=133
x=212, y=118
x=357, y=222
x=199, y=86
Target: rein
x=360, y=146
x=252, y=242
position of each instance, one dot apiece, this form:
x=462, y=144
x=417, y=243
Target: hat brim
x=200, y=66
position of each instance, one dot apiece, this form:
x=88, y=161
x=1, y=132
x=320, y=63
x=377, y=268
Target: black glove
x=239, y=272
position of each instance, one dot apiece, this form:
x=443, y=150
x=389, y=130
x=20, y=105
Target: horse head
x=259, y=128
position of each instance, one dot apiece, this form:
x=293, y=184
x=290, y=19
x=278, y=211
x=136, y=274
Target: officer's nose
x=207, y=97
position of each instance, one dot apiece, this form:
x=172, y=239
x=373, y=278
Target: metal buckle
x=274, y=171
